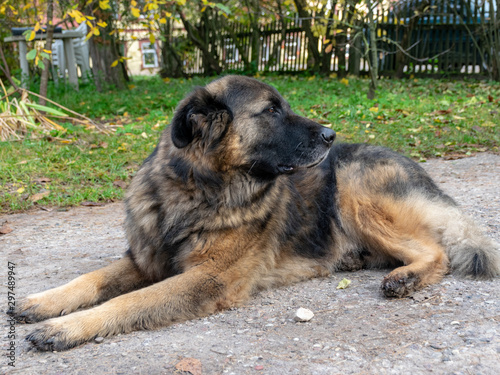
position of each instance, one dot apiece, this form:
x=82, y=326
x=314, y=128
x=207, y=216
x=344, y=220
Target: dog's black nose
x=328, y=135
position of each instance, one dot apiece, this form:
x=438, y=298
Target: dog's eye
x=272, y=109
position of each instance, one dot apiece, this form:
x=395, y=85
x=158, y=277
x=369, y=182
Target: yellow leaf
x=488, y=124
x=133, y=3
x=47, y=51
x=344, y=81
x=104, y=4
x=344, y=283
x=20, y=190
x=96, y=31
x=163, y=20
x=133, y=37
x=102, y=24
x=31, y=36
x=37, y=27
x=114, y=63
x=152, y=38
x=135, y=12
x=373, y=109
x=89, y=35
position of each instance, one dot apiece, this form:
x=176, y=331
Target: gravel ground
x=449, y=328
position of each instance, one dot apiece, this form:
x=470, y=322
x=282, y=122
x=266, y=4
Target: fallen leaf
x=36, y=197
x=92, y=204
x=443, y=111
x=4, y=229
x=321, y=121
x=191, y=365
x=344, y=283
x=42, y=180
x=120, y=184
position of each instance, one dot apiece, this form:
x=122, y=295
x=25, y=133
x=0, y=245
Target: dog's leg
x=396, y=230
x=197, y=292
x=425, y=264
x=119, y=277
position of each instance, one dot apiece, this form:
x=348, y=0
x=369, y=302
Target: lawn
x=77, y=165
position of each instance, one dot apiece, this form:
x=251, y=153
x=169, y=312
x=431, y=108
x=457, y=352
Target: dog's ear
x=199, y=115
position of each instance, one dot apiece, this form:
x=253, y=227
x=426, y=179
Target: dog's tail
x=470, y=252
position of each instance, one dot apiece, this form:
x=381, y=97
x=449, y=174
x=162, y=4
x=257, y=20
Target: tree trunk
x=314, y=59
x=48, y=46
x=326, y=57
x=4, y=67
x=254, y=8
x=373, y=52
x=171, y=63
x=210, y=61
x=104, y=50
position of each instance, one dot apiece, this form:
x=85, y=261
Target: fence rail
x=446, y=37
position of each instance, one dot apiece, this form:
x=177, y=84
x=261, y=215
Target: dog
x=242, y=194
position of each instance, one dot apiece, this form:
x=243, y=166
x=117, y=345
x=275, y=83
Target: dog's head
x=252, y=125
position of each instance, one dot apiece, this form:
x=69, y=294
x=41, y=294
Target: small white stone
x=303, y=315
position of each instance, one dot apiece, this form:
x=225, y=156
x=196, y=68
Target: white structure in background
x=81, y=48
x=149, y=55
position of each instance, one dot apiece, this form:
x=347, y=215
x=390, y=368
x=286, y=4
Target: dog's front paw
x=63, y=333
x=38, y=307
x=398, y=285
x=30, y=310
x=50, y=338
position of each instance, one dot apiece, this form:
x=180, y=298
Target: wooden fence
x=432, y=38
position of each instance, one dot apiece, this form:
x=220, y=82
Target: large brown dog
x=243, y=194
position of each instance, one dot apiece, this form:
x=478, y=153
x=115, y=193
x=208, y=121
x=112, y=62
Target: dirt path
x=449, y=328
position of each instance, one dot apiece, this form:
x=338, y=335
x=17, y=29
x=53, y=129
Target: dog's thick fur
x=242, y=194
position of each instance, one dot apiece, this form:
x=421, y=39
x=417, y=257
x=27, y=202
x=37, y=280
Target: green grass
x=420, y=118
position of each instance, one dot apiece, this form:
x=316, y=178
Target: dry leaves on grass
x=20, y=116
